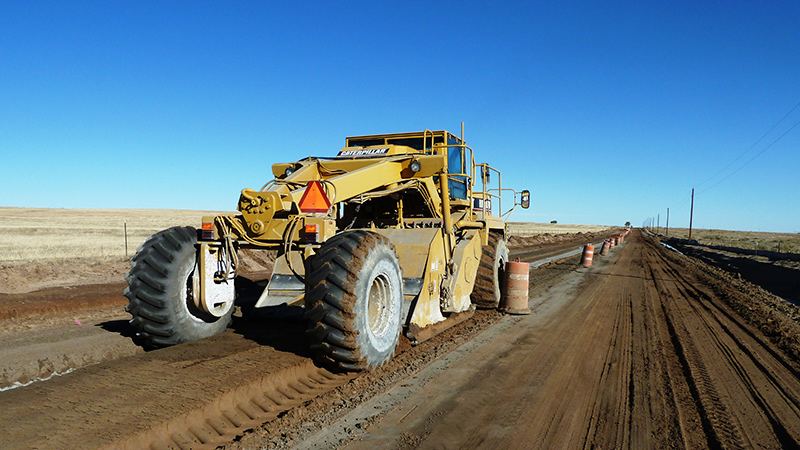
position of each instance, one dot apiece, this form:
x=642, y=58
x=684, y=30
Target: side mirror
x=525, y=200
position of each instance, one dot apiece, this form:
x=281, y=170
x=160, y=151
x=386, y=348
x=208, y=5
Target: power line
x=750, y=148
x=754, y=157
x=683, y=204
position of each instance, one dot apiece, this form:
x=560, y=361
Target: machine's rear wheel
x=354, y=294
x=160, y=291
x=491, y=273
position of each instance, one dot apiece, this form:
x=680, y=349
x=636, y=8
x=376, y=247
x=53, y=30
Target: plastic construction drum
x=515, y=294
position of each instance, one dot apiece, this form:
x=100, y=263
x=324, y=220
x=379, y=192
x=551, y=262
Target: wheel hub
x=380, y=305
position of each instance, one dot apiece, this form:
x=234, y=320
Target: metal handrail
x=489, y=193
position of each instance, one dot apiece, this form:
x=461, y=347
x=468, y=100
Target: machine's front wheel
x=354, y=295
x=161, y=290
x=491, y=273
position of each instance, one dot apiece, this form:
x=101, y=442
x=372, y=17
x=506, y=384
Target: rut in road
x=637, y=352
x=745, y=391
x=238, y=410
x=642, y=354
x=199, y=395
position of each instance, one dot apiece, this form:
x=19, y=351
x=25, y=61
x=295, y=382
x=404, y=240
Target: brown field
x=779, y=242
x=98, y=235
x=43, y=234
x=527, y=229
x=35, y=234
x=47, y=247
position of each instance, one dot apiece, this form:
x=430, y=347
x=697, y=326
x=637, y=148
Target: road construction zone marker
x=604, y=249
x=515, y=297
x=588, y=252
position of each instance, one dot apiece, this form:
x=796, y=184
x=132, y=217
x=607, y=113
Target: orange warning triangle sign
x=314, y=199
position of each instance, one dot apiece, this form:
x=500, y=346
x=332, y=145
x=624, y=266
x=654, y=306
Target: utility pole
x=658, y=224
x=691, y=216
x=667, y=234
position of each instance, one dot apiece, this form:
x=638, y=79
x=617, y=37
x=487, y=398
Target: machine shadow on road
x=280, y=327
x=120, y=327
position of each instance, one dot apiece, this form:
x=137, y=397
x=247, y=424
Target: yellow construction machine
x=395, y=234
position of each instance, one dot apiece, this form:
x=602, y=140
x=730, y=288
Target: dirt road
x=642, y=350
x=641, y=353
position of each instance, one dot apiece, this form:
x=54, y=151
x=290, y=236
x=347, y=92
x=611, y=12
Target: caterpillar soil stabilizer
x=395, y=234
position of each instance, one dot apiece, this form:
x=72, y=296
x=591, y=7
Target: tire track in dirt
x=636, y=352
x=617, y=377
x=235, y=411
x=211, y=385
x=694, y=371
x=200, y=394
x=642, y=353
x=545, y=351
x=722, y=359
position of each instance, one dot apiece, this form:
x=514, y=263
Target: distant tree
x=553, y=221
x=627, y=224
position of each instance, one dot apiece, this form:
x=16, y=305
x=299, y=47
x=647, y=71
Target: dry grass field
x=42, y=248
x=527, y=229
x=39, y=234
x=779, y=242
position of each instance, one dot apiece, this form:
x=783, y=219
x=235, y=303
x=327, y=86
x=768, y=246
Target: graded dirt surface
x=648, y=348
x=61, y=328
x=640, y=351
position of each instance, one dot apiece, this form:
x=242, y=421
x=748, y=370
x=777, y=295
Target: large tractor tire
x=160, y=291
x=354, y=296
x=491, y=273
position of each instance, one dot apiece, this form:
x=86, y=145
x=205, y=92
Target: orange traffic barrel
x=515, y=296
x=616, y=241
x=588, y=252
x=611, y=243
x=604, y=250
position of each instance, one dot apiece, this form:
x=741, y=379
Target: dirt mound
x=256, y=264
x=38, y=294
x=553, y=239
x=776, y=318
x=20, y=278
x=775, y=273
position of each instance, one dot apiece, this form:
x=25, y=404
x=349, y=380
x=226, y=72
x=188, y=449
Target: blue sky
x=607, y=111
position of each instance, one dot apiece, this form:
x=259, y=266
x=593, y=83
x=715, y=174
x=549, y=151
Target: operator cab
x=459, y=163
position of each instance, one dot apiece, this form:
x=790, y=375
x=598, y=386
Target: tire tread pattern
x=148, y=291
x=330, y=300
x=487, y=284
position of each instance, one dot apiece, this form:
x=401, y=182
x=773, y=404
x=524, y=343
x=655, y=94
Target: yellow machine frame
x=438, y=237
